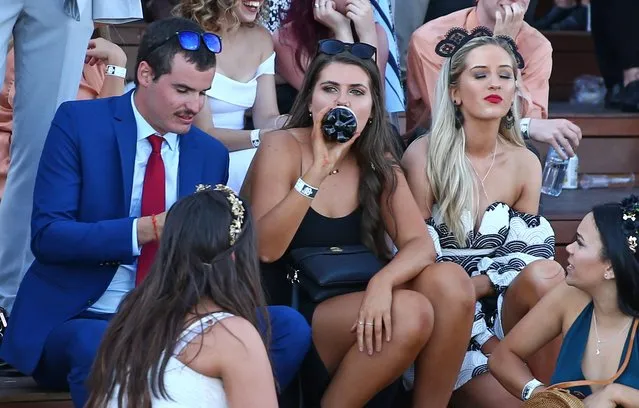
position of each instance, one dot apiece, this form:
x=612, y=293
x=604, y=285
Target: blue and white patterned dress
x=505, y=243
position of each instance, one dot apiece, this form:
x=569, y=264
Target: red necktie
x=153, y=202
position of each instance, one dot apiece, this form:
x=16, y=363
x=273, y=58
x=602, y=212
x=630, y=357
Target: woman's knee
x=412, y=318
x=447, y=284
x=540, y=277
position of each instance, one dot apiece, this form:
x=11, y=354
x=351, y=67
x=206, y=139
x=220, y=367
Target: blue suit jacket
x=80, y=228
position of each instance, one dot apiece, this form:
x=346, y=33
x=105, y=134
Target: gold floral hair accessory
x=237, y=209
x=630, y=209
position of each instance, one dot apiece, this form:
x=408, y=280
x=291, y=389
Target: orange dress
x=90, y=86
x=424, y=65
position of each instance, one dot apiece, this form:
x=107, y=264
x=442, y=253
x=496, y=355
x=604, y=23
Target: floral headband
x=457, y=37
x=237, y=209
x=630, y=209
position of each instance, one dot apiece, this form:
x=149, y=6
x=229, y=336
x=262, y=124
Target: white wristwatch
x=114, y=70
x=255, y=138
x=524, y=127
x=530, y=386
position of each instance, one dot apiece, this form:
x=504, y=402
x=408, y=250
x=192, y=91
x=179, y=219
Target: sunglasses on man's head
x=334, y=47
x=191, y=41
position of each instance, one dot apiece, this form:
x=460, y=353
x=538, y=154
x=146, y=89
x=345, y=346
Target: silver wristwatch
x=530, y=386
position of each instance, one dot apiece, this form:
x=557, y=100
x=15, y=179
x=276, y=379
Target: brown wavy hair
x=376, y=150
x=209, y=13
x=195, y=263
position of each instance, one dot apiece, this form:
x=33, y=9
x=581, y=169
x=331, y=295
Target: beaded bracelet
x=155, y=227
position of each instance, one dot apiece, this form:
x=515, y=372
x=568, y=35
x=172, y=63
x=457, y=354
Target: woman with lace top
x=244, y=79
x=595, y=312
x=187, y=336
x=478, y=189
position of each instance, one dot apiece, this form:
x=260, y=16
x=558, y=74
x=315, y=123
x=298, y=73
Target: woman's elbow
x=270, y=255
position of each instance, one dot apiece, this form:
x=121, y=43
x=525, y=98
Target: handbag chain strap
x=570, y=384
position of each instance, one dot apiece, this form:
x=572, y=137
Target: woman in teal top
x=593, y=310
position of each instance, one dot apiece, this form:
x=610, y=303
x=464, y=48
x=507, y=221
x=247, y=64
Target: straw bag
x=558, y=395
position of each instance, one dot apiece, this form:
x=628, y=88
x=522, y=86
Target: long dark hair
x=376, y=150
x=625, y=264
x=195, y=262
x=301, y=26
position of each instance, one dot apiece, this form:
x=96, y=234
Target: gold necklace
x=599, y=341
x=482, y=180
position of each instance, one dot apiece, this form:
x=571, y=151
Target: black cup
x=339, y=124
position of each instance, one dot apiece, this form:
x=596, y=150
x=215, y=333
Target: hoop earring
x=509, y=119
x=459, y=117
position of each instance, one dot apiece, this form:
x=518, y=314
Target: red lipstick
x=493, y=99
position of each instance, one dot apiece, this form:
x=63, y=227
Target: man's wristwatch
x=524, y=127
x=530, y=386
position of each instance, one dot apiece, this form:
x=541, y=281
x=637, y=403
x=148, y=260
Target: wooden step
x=23, y=392
x=573, y=56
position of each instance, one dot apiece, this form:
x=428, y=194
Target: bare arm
x=266, y=114
x=234, y=352
x=277, y=207
x=285, y=64
x=530, y=176
x=414, y=165
x=233, y=139
x=624, y=396
x=408, y=231
x=100, y=49
x=542, y=324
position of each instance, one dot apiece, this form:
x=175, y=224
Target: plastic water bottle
x=607, y=180
x=571, y=180
x=554, y=173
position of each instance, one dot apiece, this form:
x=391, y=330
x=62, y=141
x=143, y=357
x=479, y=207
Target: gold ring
x=369, y=324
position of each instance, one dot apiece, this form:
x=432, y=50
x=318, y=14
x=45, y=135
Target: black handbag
x=323, y=272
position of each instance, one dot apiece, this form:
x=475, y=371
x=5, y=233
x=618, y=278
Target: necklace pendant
x=598, y=351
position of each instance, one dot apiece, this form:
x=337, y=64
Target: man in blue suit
x=109, y=170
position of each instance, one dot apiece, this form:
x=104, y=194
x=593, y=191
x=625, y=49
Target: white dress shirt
x=124, y=278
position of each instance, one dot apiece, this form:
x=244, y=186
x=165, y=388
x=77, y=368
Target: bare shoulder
x=260, y=39
x=282, y=142
x=569, y=301
x=230, y=338
x=415, y=154
x=523, y=159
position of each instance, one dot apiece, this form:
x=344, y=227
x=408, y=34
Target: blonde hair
x=448, y=168
x=209, y=13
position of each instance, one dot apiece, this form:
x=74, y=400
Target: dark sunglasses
x=334, y=47
x=190, y=41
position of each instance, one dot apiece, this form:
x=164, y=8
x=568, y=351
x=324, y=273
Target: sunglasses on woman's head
x=334, y=47
x=191, y=40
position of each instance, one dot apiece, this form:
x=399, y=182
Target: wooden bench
x=23, y=392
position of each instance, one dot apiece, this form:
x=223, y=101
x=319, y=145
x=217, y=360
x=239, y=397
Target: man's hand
x=509, y=20
x=147, y=231
x=559, y=133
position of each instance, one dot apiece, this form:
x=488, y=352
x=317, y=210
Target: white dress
x=184, y=386
x=229, y=100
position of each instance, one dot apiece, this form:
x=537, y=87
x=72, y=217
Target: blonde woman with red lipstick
x=244, y=79
x=478, y=188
